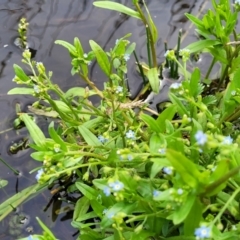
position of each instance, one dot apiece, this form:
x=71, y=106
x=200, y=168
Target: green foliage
x=172, y=176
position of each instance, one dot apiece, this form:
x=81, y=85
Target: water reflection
x=49, y=21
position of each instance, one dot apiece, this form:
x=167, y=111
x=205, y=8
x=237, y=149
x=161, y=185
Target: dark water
x=59, y=19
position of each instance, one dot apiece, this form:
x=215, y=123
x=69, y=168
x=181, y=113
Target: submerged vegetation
x=141, y=174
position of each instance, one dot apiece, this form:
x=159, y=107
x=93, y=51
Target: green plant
x=169, y=177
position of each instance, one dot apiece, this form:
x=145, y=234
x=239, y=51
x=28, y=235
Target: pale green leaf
x=117, y=7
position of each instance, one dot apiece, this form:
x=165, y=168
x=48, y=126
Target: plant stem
x=11, y=168
x=210, y=68
x=217, y=218
x=148, y=47
x=166, y=48
x=177, y=53
x=154, y=56
x=140, y=68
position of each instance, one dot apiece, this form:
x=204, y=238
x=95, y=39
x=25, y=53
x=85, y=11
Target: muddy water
x=56, y=19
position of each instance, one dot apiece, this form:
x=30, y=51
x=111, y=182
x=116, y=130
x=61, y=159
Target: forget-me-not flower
x=126, y=56
x=110, y=215
x=107, y=191
x=39, y=174
x=36, y=89
x=130, y=134
x=116, y=186
x=102, y=139
x=227, y=140
x=129, y=157
x=180, y=191
x=156, y=193
x=201, y=137
x=175, y=85
x=162, y=150
x=202, y=232
x=167, y=170
x=119, y=89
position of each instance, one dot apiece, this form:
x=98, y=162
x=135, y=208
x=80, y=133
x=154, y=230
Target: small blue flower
x=233, y=93
x=175, y=85
x=116, y=186
x=156, y=193
x=126, y=57
x=119, y=89
x=107, y=191
x=39, y=174
x=102, y=139
x=180, y=191
x=130, y=134
x=201, y=137
x=166, y=53
x=105, y=211
x=129, y=157
x=202, y=232
x=89, y=63
x=36, y=89
x=167, y=170
x=162, y=150
x=110, y=215
x=227, y=140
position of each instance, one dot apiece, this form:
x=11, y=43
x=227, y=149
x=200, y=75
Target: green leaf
x=186, y=168
x=78, y=92
x=87, y=191
x=53, y=134
x=20, y=73
x=158, y=165
x=181, y=213
x=131, y=48
x=81, y=207
x=124, y=207
x=195, y=20
x=35, y=132
x=3, y=183
x=200, y=45
x=167, y=114
x=101, y=57
x=28, y=91
x=8, y=206
x=70, y=47
x=153, y=28
x=86, y=216
x=46, y=230
x=151, y=122
x=88, y=136
x=193, y=219
x=156, y=142
x=117, y=7
x=78, y=47
x=154, y=81
x=181, y=108
x=195, y=78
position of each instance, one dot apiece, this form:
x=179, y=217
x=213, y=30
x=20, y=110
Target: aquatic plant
x=174, y=175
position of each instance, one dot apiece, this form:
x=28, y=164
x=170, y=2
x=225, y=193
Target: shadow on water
x=49, y=21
